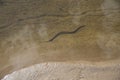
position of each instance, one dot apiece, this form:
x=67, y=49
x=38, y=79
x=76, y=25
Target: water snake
x=65, y=32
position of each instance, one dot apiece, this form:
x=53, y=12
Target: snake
x=65, y=32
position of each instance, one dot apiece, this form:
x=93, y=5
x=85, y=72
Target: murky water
x=26, y=27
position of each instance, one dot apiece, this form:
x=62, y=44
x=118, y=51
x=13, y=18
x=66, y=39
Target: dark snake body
x=65, y=32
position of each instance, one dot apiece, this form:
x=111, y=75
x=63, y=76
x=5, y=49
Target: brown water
x=27, y=25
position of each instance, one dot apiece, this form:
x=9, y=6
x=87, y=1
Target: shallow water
x=26, y=27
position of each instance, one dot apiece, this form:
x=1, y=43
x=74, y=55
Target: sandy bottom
x=67, y=71
x=27, y=26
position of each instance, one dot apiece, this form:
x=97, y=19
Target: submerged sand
x=27, y=25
